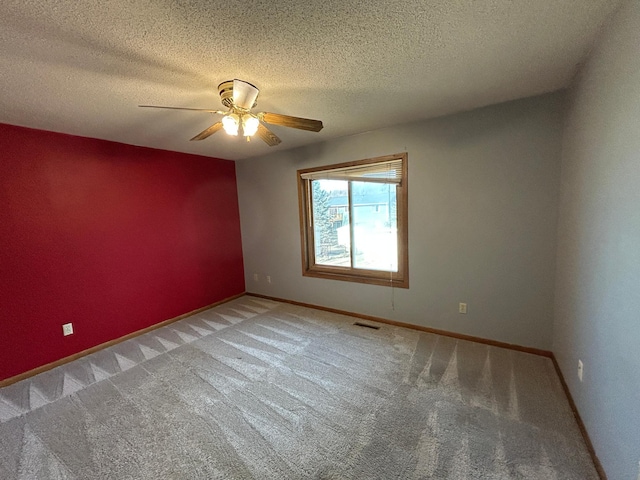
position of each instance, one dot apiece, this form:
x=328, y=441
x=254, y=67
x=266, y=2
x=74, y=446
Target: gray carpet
x=259, y=389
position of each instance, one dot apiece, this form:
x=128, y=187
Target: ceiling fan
x=240, y=97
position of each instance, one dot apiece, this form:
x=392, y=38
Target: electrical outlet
x=67, y=329
x=462, y=308
x=580, y=369
x=268, y=278
x=255, y=277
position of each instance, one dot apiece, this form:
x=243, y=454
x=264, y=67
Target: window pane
x=375, y=226
x=331, y=230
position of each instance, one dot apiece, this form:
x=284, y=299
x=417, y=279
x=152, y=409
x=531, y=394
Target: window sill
x=368, y=278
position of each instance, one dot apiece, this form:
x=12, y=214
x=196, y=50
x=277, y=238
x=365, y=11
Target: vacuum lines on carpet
x=255, y=389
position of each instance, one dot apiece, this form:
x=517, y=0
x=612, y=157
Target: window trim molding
x=399, y=279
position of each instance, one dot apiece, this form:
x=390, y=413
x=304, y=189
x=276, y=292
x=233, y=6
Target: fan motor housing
x=225, y=89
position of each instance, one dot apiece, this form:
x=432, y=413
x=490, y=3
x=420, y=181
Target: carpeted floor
x=258, y=389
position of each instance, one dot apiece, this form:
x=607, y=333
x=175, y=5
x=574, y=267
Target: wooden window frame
x=399, y=279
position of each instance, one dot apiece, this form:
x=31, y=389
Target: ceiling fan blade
x=268, y=136
x=293, y=122
x=184, y=108
x=208, y=132
x=244, y=94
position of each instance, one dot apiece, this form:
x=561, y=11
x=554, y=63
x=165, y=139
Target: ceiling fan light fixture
x=230, y=123
x=239, y=97
x=249, y=125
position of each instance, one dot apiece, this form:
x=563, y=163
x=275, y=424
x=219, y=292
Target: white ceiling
x=82, y=67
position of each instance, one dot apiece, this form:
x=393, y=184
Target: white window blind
x=389, y=171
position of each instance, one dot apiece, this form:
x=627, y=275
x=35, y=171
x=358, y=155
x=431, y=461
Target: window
x=353, y=221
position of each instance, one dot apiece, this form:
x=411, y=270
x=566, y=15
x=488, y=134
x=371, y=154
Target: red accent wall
x=111, y=237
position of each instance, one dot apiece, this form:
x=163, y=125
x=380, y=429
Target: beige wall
x=483, y=193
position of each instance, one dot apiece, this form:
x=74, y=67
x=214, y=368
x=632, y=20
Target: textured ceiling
x=82, y=67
